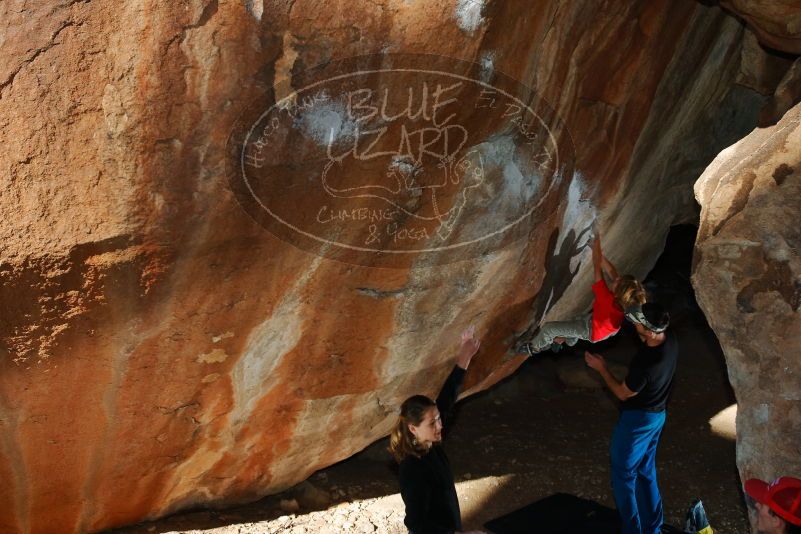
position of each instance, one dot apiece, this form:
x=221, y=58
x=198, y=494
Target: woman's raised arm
x=450, y=390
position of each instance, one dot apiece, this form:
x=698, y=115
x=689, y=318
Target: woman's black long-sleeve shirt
x=426, y=483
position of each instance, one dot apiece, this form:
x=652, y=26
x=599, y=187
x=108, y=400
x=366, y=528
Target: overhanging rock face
x=747, y=276
x=777, y=24
x=162, y=349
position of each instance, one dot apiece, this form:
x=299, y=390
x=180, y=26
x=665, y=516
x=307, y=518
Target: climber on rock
x=607, y=309
x=426, y=481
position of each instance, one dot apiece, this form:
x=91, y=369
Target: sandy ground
x=542, y=431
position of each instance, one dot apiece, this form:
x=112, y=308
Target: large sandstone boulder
x=747, y=275
x=777, y=24
x=161, y=349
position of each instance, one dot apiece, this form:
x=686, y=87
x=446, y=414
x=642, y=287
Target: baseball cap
x=783, y=496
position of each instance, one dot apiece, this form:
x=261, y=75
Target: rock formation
x=161, y=350
x=747, y=275
x=777, y=24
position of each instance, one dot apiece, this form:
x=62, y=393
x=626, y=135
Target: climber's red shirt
x=606, y=314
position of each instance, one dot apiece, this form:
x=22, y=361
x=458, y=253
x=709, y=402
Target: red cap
x=783, y=496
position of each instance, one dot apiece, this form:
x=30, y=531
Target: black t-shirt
x=651, y=375
x=429, y=493
x=427, y=486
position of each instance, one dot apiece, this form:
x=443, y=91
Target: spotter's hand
x=595, y=361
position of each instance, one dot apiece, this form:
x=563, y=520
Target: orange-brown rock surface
x=162, y=350
x=777, y=24
x=747, y=276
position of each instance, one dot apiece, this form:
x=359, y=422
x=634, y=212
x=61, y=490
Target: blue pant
x=633, y=453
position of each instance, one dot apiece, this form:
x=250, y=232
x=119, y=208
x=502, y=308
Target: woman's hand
x=469, y=347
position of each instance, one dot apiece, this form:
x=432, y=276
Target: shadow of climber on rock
x=558, y=275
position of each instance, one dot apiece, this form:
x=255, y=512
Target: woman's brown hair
x=401, y=441
x=629, y=292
